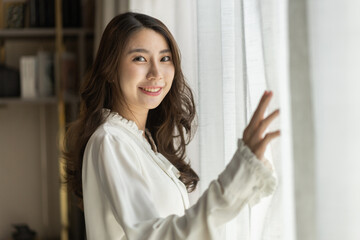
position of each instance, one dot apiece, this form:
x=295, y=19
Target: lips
x=152, y=91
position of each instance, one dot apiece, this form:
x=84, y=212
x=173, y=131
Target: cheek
x=170, y=73
x=130, y=72
x=130, y=76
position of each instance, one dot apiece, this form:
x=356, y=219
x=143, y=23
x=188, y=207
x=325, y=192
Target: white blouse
x=131, y=191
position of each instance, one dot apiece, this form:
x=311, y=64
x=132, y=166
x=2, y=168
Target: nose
x=154, y=72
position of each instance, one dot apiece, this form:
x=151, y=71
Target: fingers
x=257, y=116
x=263, y=125
x=260, y=110
x=253, y=133
x=263, y=144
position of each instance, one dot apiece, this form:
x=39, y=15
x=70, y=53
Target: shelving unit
x=41, y=121
x=39, y=100
x=43, y=32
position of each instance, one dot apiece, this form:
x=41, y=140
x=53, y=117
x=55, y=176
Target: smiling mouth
x=151, y=90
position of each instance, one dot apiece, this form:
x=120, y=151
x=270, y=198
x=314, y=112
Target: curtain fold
x=279, y=221
x=259, y=35
x=302, y=120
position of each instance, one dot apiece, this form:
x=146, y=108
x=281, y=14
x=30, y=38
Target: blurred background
x=306, y=52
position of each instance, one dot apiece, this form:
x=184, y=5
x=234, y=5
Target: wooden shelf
x=43, y=121
x=17, y=100
x=38, y=100
x=43, y=32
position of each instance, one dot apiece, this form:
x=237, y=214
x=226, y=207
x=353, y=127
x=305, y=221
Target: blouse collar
x=131, y=125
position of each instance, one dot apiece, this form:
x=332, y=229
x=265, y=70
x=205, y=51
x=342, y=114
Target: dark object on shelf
x=14, y=13
x=9, y=82
x=34, y=13
x=42, y=13
x=71, y=13
x=23, y=232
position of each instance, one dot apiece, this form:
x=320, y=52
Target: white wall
x=21, y=199
x=334, y=37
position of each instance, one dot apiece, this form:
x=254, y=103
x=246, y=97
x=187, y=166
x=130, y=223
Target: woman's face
x=146, y=70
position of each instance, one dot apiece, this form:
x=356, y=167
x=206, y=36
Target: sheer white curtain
x=334, y=39
x=242, y=50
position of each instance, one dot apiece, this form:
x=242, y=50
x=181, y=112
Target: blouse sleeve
x=244, y=180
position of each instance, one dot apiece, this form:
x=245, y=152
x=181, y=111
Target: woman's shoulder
x=109, y=145
x=116, y=130
x=107, y=132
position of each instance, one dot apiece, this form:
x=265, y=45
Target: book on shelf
x=28, y=66
x=13, y=13
x=1, y=14
x=33, y=13
x=45, y=74
x=71, y=13
x=37, y=75
x=40, y=13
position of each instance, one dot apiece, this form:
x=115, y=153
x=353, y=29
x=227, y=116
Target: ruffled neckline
x=131, y=125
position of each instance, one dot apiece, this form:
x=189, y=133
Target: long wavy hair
x=170, y=123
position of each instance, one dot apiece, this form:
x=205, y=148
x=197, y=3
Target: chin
x=153, y=106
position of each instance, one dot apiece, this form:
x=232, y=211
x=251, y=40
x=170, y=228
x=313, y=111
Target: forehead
x=147, y=39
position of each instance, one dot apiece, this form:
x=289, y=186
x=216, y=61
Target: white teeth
x=151, y=89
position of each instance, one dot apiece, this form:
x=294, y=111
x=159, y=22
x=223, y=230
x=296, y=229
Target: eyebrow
x=142, y=50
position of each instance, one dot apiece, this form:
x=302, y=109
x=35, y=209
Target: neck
x=137, y=116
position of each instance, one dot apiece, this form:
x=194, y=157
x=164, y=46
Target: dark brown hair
x=170, y=123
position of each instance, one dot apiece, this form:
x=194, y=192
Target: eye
x=166, y=59
x=139, y=59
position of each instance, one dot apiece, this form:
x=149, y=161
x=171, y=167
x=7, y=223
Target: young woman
x=126, y=152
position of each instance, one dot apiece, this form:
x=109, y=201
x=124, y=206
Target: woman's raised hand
x=253, y=135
